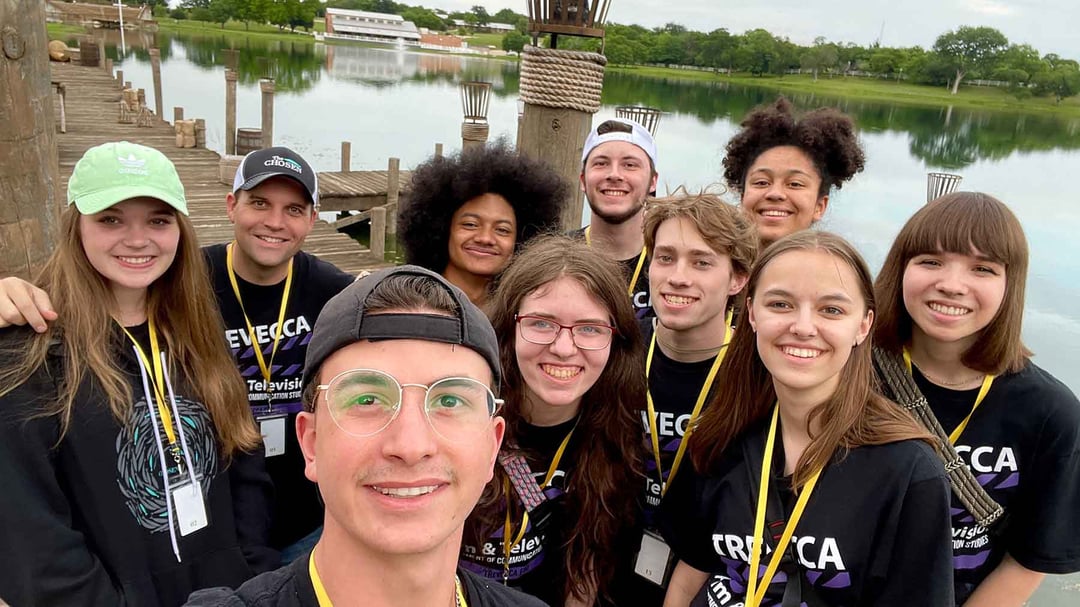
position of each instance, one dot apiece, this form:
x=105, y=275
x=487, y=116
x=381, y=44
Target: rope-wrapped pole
x=561, y=91
x=899, y=386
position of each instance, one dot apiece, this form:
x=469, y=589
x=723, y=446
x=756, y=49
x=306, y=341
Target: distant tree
x=508, y=16
x=514, y=41
x=1053, y=61
x=821, y=56
x=718, y=50
x=194, y=4
x=178, y=13
x=1061, y=82
x=423, y=17
x=251, y=10
x=852, y=57
x=757, y=52
x=221, y=11
x=970, y=48
x=482, y=16
x=201, y=14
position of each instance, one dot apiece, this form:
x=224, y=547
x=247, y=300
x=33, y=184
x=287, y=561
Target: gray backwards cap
x=343, y=322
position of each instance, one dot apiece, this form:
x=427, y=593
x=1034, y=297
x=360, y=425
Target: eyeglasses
x=544, y=331
x=363, y=402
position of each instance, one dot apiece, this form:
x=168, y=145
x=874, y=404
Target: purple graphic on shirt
x=970, y=561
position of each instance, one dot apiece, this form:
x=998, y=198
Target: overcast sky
x=1051, y=26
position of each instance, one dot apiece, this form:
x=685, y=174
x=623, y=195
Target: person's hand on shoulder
x=22, y=303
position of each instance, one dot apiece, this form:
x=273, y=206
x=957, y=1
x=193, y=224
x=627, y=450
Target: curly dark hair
x=827, y=135
x=441, y=185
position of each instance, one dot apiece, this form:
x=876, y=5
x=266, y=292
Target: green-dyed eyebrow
x=372, y=379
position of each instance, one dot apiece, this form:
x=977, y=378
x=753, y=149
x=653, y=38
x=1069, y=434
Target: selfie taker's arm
x=1010, y=584
x=684, y=585
x=21, y=303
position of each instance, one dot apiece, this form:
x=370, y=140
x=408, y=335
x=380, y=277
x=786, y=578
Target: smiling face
x=690, y=282
x=781, y=192
x=616, y=179
x=951, y=297
x=808, y=313
x=404, y=490
x=483, y=232
x=557, y=375
x=132, y=243
x=271, y=222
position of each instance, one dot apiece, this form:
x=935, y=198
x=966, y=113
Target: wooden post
x=127, y=84
x=378, y=232
x=230, y=112
x=101, y=51
x=267, y=87
x=30, y=187
x=178, y=114
x=346, y=156
x=108, y=67
x=120, y=78
x=200, y=133
x=393, y=190
x=438, y=150
x=558, y=136
x=155, y=67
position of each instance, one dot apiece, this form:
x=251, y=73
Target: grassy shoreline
x=870, y=89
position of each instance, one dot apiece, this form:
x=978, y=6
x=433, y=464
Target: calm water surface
x=390, y=103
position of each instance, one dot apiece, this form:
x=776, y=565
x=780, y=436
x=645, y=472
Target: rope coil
x=562, y=79
x=899, y=386
x=474, y=131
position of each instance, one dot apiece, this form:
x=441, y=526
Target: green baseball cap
x=116, y=171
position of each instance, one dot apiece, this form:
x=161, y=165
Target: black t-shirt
x=85, y=520
x=298, y=510
x=291, y=586
x=537, y=562
x=640, y=296
x=675, y=387
x=1023, y=446
x=875, y=531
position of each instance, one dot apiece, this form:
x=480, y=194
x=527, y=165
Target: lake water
x=391, y=103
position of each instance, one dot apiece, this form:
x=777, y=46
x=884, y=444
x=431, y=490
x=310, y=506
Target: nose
x=485, y=235
x=563, y=346
x=776, y=191
x=136, y=236
x=410, y=438
x=274, y=218
x=951, y=280
x=678, y=276
x=802, y=325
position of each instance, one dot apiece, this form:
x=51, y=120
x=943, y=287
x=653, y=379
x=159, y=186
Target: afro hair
x=827, y=135
x=441, y=185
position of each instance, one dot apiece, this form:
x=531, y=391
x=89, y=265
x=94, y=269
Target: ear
x=749, y=311
x=864, y=327
x=314, y=216
x=230, y=206
x=653, y=181
x=738, y=281
x=499, y=431
x=581, y=180
x=820, y=206
x=305, y=434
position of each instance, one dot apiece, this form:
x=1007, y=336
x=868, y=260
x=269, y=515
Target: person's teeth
x=801, y=352
x=678, y=300
x=405, y=491
x=561, y=372
x=775, y=213
x=949, y=310
x=135, y=260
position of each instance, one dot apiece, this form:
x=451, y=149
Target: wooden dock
x=92, y=109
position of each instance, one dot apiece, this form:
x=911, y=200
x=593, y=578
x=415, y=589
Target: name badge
x=654, y=559
x=273, y=433
x=189, y=507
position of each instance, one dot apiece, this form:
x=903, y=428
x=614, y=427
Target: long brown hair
x=855, y=415
x=182, y=305
x=604, y=482
x=957, y=223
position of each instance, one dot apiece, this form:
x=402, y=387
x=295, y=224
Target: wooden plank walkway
x=357, y=190
x=92, y=110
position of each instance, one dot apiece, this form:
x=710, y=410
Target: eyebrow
x=580, y=321
x=482, y=217
x=691, y=252
x=776, y=171
x=838, y=296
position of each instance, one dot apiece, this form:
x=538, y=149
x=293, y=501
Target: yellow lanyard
x=324, y=599
x=158, y=379
x=755, y=593
x=637, y=270
x=507, y=529
x=693, y=416
x=265, y=368
x=988, y=380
